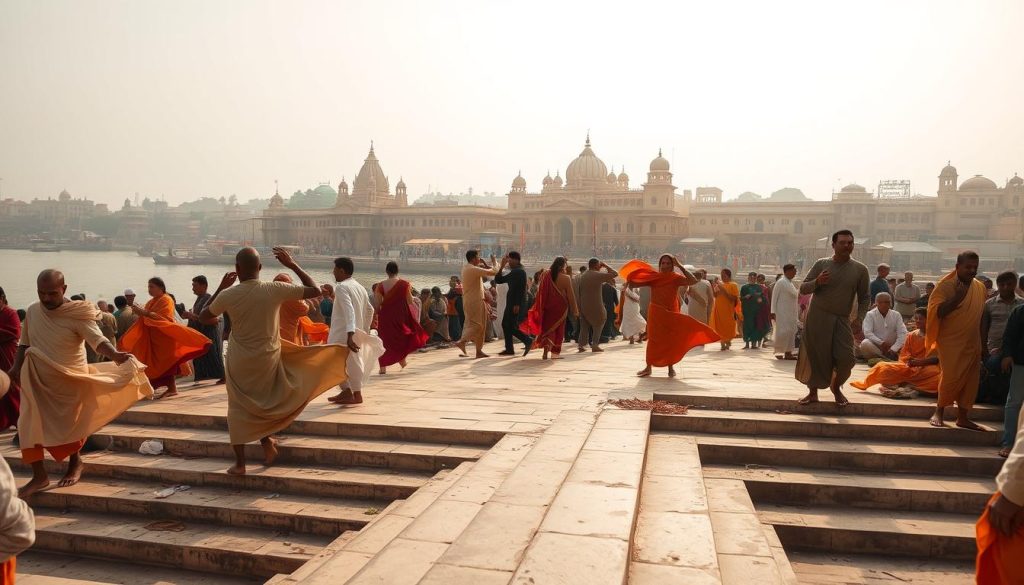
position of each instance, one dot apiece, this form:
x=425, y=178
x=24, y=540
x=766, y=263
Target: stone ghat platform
x=513, y=470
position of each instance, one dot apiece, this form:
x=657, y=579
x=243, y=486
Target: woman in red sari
x=158, y=341
x=670, y=334
x=546, y=320
x=10, y=333
x=397, y=327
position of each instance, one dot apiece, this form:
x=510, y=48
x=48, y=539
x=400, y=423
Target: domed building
x=595, y=208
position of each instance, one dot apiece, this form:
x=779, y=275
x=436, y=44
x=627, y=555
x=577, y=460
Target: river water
x=103, y=275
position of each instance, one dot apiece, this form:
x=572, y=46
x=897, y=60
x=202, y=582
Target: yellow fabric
x=269, y=381
x=924, y=378
x=957, y=339
x=723, y=313
x=64, y=399
x=473, y=304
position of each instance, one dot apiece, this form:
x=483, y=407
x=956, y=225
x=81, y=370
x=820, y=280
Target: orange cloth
x=924, y=378
x=956, y=338
x=670, y=334
x=58, y=452
x=8, y=570
x=291, y=312
x=995, y=564
x=163, y=345
x=314, y=333
x=724, y=312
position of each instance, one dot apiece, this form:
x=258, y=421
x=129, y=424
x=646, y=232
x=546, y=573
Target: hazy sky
x=192, y=98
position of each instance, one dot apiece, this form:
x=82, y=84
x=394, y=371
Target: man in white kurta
x=351, y=321
x=786, y=313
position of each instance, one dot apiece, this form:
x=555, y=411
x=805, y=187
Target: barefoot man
x=473, y=274
x=64, y=399
x=954, y=322
x=826, y=351
x=269, y=381
x=351, y=321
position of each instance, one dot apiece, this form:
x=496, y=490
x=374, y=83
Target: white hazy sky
x=203, y=97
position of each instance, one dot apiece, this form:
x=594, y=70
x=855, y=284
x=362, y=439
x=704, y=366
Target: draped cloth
x=65, y=399
x=291, y=312
x=474, y=306
x=632, y=322
x=957, y=341
x=270, y=381
x=164, y=346
x=398, y=328
x=999, y=557
x=311, y=332
x=670, y=334
x=545, y=321
x=723, y=314
x=211, y=365
x=787, y=315
x=924, y=378
x=10, y=330
x=753, y=327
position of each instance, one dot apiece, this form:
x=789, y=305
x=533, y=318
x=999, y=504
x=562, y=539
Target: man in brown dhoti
x=473, y=303
x=592, y=311
x=269, y=380
x=65, y=399
x=826, y=352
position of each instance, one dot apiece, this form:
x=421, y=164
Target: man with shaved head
x=269, y=380
x=65, y=399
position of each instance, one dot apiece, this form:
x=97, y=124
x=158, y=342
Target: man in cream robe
x=786, y=313
x=269, y=381
x=64, y=398
x=701, y=298
x=473, y=302
x=351, y=320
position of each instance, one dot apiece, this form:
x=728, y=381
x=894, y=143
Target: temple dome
x=586, y=167
x=853, y=188
x=948, y=170
x=371, y=177
x=659, y=164
x=519, y=182
x=1015, y=181
x=978, y=183
x=547, y=179
x=611, y=176
x=623, y=176
x=64, y=195
x=557, y=181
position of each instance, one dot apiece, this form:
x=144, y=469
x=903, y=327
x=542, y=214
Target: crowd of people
x=959, y=339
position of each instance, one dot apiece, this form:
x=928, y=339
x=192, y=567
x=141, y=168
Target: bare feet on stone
x=269, y=451
x=74, y=472
x=237, y=469
x=347, y=397
x=841, y=400
x=644, y=372
x=966, y=423
x=462, y=347
x=34, y=485
x=671, y=372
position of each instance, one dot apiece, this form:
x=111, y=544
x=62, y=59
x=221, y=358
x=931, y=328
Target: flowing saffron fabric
x=726, y=312
x=163, y=345
x=397, y=327
x=314, y=333
x=670, y=334
x=10, y=333
x=955, y=338
x=999, y=557
x=546, y=319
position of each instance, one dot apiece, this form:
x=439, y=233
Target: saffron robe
x=957, y=339
x=723, y=314
x=398, y=328
x=924, y=378
x=164, y=346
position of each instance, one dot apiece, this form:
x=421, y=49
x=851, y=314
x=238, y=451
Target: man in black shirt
x=515, y=302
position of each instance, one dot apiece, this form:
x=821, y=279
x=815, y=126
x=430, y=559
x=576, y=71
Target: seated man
x=884, y=331
x=916, y=368
x=994, y=382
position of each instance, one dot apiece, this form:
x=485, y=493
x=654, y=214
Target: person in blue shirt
x=879, y=284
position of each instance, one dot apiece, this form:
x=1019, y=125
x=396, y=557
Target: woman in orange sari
x=397, y=327
x=546, y=320
x=670, y=334
x=723, y=317
x=160, y=342
x=294, y=324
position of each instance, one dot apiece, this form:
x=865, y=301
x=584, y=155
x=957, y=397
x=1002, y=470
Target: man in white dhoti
x=785, y=313
x=64, y=399
x=351, y=320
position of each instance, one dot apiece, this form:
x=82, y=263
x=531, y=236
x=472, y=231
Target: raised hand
x=284, y=257
x=823, y=278
x=228, y=280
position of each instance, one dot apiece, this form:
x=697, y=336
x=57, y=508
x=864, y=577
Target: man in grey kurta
x=592, y=311
x=826, y=349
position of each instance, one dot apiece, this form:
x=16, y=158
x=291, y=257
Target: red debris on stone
x=656, y=406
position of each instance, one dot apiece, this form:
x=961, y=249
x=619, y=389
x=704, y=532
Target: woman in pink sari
x=546, y=320
x=398, y=328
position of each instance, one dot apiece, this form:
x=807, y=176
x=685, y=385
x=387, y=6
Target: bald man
x=65, y=399
x=269, y=380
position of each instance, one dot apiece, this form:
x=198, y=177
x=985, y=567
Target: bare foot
x=597, y=350
x=811, y=398
x=644, y=372
x=544, y=356
x=462, y=347
x=479, y=355
x=1005, y=452
x=167, y=394
x=581, y=349
x=74, y=473
x=556, y=356
x=936, y=421
x=840, y=399
x=671, y=372
x=269, y=451
x=383, y=371
x=237, y=469
x=969, y=425
x=34, y=485
x=348, y=397
x=403, y=363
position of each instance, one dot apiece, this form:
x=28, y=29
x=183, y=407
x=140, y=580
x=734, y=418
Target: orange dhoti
x=58, y=452
x=923, y=378
x=163, y=345
x=8, y=569
x=999, y=556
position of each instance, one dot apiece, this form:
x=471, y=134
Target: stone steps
x=820, y=568
x=889, y=491
x=842, y=454
x=222, y=506
x=191, y=546
x=352, y=482
x=759, y=423
x=299, y=449
x=400, y=432
x=42, y=568
x=878, y=532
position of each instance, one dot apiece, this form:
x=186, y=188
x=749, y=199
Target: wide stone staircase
x=181, y=510
x=870, y=479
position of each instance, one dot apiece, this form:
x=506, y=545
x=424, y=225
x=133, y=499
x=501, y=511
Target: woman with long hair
x=160, y=342
x=546, y=320
x=723, y=317
x=397, y=327
x=670, y=334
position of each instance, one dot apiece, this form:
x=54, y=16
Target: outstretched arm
x=207, y=316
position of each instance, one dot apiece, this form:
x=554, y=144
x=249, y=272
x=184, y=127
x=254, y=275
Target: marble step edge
x=198, y=547
x=402, y=432
x=316, y=449
x=220, y=506
x=36, y=567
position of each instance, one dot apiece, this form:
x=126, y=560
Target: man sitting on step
x=884, y=331
x=918, y=368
